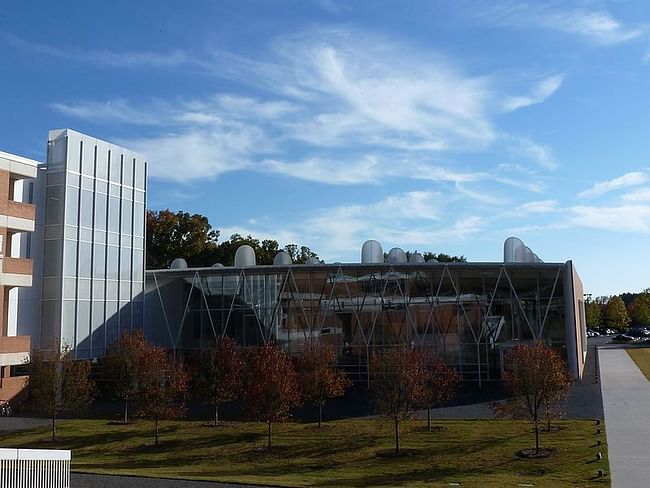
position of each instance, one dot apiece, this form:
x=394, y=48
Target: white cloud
x=538, y=94
x=628, y=179
x=625, y=218
x=597, y=26
x=642, y=195
x=533, y=151
x=337, y=172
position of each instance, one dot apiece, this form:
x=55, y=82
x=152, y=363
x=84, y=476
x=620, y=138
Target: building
x=17, y=222
x=88, y=286
x=468, y=313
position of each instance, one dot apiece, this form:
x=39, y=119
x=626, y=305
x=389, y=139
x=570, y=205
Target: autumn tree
x=163, y=387
x=641, y=307
x=537, y=380
x=397, y=384
x=58, y=383
x=319, y=378
x=178, y=235
x=221, y=372
x=122, y=367
x=616, y=315
x=592, y=313
x=439, y=383
x=271, y=387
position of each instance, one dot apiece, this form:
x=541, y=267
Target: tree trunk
x=396, y=435
x=548, y=418
x=429, y=419
x=216, y=414
x=53, y=427
x=536, y=437
x=320, y=415
x=126, y=411
x=269, y=440
x=156, y=442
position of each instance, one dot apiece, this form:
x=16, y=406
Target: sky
x=432, y=126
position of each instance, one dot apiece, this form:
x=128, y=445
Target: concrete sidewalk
x=626, y=400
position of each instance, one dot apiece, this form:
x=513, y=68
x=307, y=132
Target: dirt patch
x=434, y=428
x=544, y=452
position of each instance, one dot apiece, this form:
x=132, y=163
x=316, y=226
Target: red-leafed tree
x=397, y=383
x=58, y=383
x=221, y=372
x=319, y=377
x=164, y=384
x=537, y=378
x=122, y=369
x=439, y=383
x=271, y=387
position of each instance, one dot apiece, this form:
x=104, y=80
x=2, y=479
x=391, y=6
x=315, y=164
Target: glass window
x=138, y=265
x=114, y=214
x=83, y=320
x=83, y=289
x=99, y=261
x=101, y=170
x=101, y=186
x=87, y=183
x=100, y=211
x=113, y=239
x=111, y=291
x=73, y=179
x=138, y=243
x=127, y=172
x=139, y=175
x=98, y=315
x=125, y=264
x=72, y=206
x=55, y=231
x=112, y=263
x=88, y=160
x=51, y=288
x=55, y=178
x=137, y=314
x=68, y=312
x=98, y=290
x=86, y=218
x=125, y=316
x=70, y=288
x=138, y=219
x=125, y=290
x=139, y=196
x=69, y=256
x=127, y=217
x=85, y=234
x=115, y=167
x=54, y=206
x=85, y=256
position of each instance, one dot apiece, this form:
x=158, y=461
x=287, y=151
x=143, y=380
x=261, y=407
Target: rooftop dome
x=397, y=256
x=244, y=256
x=372, y=253
x=313, y=260
x=282, y=259
x=416, y=258
x=178, y=263
x=217, y=265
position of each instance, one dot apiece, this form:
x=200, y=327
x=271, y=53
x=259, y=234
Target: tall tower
x=17, y=219
x=93, y=242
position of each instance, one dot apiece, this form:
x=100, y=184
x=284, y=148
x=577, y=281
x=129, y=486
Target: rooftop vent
x=397, y=256
x=282, y=259
x=244, y=256
x=178, y=263
x=372, y=253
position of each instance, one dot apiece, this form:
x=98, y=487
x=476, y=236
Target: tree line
x=172, y=235
x=619, y=312
x=153, y=384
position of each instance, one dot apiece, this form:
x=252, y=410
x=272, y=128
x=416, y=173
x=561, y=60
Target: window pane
x=86, y=219
x=100, y=211
x=127, y=216
x=85, y=250
x=99, y=261
x=70, y=258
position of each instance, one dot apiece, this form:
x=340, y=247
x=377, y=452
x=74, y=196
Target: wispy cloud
x=598, y=26
x=532, y=150
x=103, y=57
x=540, y=92
x=633, y=178
x=624, y=218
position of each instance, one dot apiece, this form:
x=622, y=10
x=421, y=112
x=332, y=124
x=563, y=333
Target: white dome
x=397, y=256
x=178, y=263
x=245, y=256
x=217, y=265
x=313, y=261
x=372, y=253
x=282, y=259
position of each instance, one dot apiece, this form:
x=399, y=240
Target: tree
x=319, y=377
x=178, y=235
x=616, y=315
x=222, y=368
x=439, y=382
x=397, y=383
x=537, y=379
x=122, y=367
x=164, y=384
x=444, y=258
x=58, y=383
x=270, y=387
x=641, y=307
x=299, y=255
x=593, y=314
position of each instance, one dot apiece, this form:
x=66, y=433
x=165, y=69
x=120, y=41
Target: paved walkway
x=626, y=399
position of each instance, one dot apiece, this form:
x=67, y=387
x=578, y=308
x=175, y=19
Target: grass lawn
x=343, y=453
x=641, y=358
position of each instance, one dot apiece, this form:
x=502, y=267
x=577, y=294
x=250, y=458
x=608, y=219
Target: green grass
x=478, y=453
x=641, y=358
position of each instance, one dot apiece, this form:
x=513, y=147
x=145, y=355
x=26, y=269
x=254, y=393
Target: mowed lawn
x=641, y=358
x=343, y=453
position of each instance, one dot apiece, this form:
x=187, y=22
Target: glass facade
x=470, y=314
x=93, y=276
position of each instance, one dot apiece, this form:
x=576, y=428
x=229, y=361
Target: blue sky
x=441, y=126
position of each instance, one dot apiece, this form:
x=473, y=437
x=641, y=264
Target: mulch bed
x=531, y=453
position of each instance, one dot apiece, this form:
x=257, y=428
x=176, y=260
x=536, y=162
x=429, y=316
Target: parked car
x=623, y=338
x=640, y=333
x=5, y=408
